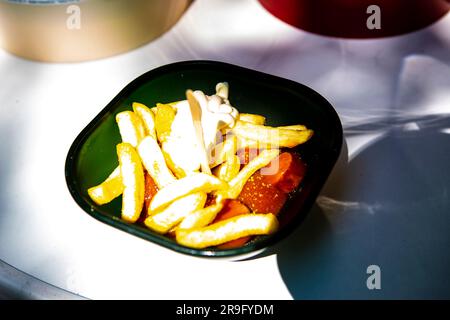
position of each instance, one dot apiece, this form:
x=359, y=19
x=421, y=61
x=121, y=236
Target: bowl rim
x=264, y=241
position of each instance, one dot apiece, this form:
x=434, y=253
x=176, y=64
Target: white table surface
x=376, y=86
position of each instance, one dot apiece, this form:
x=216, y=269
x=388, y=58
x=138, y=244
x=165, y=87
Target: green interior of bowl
x=92, y=156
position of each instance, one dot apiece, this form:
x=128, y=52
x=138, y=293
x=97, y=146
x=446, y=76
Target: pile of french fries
x=150, y=142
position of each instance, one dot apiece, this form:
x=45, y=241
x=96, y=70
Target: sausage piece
x=150, y=190
x=262, y=197
x=289, y=174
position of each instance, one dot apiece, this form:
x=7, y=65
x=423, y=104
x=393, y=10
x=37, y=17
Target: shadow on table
x=389, y=206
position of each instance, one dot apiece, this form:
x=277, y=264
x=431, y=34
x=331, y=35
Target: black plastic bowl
x=92, y=155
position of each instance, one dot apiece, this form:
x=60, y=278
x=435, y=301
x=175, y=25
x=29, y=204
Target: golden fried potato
x=273, y=136
x=201, y=217
x=131, y=127
x=227, y=230
x=243, y=143
x=132, y=131
x=164, y=141
x=229, y=169
x=108, y=190
x=147, y=117
x=170, y=216
x=238, y=182
x=197, y=182
x=153, y=160
x=165, y=114
x=133, y=182
x=298, y=127
x=223, y=150
x=252, y=118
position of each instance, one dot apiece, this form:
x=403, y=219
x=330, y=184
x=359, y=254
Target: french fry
x=108, y=190
x=202, y=217
x=133, y=181
x=147, y=117
x=238, y=182
x=131, y=128
x=229, y=169
x=224, y=150
x=227, y=230
x=271, y=135
x=165, y=114
x=298, y=127
x=243, y=143
x=153, y=160
x=165, y=220
x=163, y=140
x=252, y=118
x=194, y=183
x=132, y=131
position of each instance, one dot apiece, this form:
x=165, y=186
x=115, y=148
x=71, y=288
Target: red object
x=290, y=173
x=230, y=209
x=348, y=18
x=262, y=197
x=150, y=191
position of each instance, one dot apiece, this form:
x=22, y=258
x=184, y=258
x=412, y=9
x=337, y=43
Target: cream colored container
x=67, y=30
